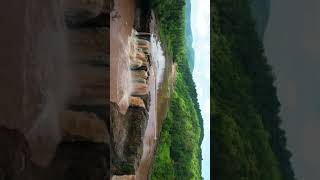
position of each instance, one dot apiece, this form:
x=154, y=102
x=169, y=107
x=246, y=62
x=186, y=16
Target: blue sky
x=200, y=26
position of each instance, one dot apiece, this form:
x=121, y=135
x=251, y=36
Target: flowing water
x=39, y=80
x=121, y=32
x=41, y=77
x=157, y=109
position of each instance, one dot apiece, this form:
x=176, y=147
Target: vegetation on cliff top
x=178, y=154
x=248, y=141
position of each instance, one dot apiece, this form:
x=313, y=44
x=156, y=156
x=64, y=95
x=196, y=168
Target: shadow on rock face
x=82, y=161
x=14, y=154
x=126, y=139
x=72, y=161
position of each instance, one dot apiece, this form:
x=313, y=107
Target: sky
x=200, y=26
x=292, y=44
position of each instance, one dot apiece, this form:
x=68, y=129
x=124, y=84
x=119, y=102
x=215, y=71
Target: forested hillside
x=248, y=141
x=178, y=155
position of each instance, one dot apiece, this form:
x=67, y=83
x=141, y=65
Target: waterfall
x=47, y=77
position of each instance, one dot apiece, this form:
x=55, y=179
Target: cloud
x=201, y=10
x=206, y=111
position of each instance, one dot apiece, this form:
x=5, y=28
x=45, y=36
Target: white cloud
x=200, y=22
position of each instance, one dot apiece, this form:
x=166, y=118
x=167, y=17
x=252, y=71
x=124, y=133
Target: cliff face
x=58, y=126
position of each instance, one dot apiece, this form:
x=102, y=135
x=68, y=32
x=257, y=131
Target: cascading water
x=47, y=75
x=147, y=73
x=124, y=88
x=158, y=63
x=134, y=65
x=158, y=57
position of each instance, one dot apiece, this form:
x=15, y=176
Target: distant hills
x=260, y=10
x=189, y=37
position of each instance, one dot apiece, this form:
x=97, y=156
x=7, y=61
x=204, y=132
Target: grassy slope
x=178, y=155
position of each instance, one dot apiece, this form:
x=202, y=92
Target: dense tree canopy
x=248, y=141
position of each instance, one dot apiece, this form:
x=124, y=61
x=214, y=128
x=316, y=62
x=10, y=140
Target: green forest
x=178, y=154
x=248, y=143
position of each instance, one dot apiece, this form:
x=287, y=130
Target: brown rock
x=79, y=11
x=91, y=85
x=84, y=125
x=139, y=74
x=141, y=56
x=139, y=88
x=140, y=80
x=93, y=39
x=136, y=102
x=125, y=177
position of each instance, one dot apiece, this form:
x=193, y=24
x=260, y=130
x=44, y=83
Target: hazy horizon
x=292, y=42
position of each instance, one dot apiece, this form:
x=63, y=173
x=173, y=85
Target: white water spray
x=125, y=88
